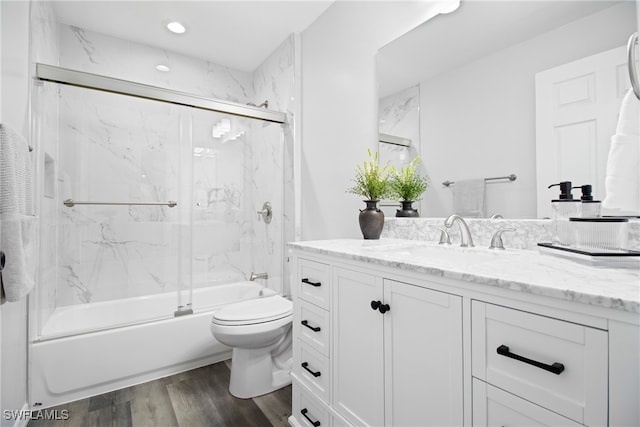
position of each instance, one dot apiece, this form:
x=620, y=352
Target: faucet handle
x=496, y=240
x=445, y=238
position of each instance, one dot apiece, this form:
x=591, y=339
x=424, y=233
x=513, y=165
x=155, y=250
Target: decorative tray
x=619, y=258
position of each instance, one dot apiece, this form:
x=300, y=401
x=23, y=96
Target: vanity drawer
x=313, y=282
x=495, y=407
x=313, y=326
x=312, y=368
x=559, y=365
x=308, y=410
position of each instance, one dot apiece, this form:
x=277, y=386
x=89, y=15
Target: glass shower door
x=112, y=195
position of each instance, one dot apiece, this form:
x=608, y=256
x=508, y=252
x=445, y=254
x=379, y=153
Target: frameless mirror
x=466, y=89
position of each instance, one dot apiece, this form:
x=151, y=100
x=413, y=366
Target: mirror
x=462, y=87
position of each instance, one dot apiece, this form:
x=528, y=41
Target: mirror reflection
x=484, y=90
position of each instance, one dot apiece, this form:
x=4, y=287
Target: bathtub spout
x=255, y=276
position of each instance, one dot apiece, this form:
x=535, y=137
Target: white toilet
x=259, y=331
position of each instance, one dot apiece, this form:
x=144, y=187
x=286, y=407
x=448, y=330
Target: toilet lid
x=255, y=310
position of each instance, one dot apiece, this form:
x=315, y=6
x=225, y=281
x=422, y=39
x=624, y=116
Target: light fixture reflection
x=163, y=68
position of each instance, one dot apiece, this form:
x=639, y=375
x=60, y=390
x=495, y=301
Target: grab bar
x=70, y=203
x=633, y=74
x=511, y=177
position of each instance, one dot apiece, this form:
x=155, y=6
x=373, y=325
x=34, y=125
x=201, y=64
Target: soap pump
x=589, y=208
x=564, y=207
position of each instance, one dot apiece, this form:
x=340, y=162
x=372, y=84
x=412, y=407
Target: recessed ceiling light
x=162, y=67
x=176, y=27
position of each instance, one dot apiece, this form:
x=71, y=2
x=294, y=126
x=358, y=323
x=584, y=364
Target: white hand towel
x=17, y=220
x=469, y=198
x=622, y=181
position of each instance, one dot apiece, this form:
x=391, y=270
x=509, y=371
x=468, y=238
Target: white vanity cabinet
x=397, y=352
x=386, y=344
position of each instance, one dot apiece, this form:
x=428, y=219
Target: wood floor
x=197, y=398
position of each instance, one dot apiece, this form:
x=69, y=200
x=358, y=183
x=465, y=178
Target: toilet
x=259, y=331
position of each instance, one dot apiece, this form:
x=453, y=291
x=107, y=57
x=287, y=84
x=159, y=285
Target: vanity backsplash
x=528, y=233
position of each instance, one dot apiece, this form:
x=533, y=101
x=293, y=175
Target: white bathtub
x=101, y=357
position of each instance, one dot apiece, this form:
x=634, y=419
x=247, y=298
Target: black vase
x=371, y=220
x=407, y=210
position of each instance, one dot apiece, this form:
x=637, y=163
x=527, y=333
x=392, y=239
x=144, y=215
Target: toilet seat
x=254, y=311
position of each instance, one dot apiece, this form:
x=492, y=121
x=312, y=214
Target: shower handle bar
x=70, y=203
x=511, y=177
x=633, y=74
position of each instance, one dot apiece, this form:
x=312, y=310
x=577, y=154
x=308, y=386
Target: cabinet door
x=357, y=349
x=423, y=356
x=495, y=407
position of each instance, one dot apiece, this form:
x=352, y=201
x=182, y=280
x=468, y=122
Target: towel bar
x=70, y=203
x=511, y=177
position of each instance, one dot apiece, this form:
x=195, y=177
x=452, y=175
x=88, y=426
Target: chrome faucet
x=255, y=276
x=465, y=234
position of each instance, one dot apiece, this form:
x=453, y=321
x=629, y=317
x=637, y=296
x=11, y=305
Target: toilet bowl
x=259, y=331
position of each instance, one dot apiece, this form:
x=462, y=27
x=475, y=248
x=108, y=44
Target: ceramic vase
x=371, y=220
x=407, y=210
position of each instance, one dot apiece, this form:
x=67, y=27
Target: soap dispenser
x=564, y=207
x=589, y=208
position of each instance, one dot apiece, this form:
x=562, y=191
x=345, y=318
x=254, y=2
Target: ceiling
x=239, y=34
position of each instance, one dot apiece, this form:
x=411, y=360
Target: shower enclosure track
x=61, y=75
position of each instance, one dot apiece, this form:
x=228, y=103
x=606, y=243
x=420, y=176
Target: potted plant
x=407, y=186
x=372, y=182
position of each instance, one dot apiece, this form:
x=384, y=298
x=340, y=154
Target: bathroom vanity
x=397, y=332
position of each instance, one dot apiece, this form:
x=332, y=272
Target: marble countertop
x=515, y=269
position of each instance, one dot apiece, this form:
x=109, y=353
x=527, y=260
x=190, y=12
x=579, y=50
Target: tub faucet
x=465, y=234
x=255, y=276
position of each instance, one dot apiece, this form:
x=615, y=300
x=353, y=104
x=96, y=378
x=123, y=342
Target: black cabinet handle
x=555, y=367
x=305, y=365
x=313, y=328
x=309, y=282
x=382, y=308
x=304, y=411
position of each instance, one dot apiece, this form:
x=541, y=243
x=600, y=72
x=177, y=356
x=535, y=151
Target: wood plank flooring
x=197, y=398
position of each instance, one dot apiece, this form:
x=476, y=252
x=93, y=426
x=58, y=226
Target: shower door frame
x=81, y=79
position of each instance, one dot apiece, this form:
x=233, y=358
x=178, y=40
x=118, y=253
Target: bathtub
x=82, y=351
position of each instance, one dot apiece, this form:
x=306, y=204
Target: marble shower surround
x=257, y=247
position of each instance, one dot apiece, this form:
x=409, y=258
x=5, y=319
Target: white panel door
x=357, y=348
x=577, y=108
x=423, y=356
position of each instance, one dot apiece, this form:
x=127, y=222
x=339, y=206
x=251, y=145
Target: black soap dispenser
x=564, y=207
x=589, y=208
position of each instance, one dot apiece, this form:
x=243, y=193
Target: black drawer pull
x=313, y=328
x=305, y=365
x=309, y=282
x=382, y=308
x=304, y=411
x=555, y=367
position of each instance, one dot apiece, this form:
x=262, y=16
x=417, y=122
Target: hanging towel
x=469, y=198
x=17, y=219
x=622, y=180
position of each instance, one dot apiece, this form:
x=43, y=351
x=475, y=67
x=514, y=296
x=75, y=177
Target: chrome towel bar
x=70, y=203
x=511, y=177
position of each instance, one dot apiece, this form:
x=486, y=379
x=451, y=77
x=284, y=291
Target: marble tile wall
x=528, y=233
x=117, y=148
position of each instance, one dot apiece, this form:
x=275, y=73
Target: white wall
x=340, y=104
x=14, y=113
x=479, y=120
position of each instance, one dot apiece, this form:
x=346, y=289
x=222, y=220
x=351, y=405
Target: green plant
x=406, y=184
x=372, y=180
